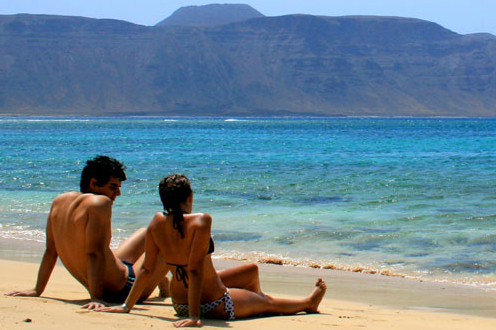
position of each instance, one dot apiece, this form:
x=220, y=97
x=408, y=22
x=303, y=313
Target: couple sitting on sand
x=79, y=232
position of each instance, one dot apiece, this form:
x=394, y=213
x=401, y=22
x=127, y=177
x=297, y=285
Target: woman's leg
x=241, y=277
x=132, y=248
x=247, y=303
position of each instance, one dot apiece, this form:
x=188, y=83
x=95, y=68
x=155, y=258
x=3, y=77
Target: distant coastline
x=242, y=117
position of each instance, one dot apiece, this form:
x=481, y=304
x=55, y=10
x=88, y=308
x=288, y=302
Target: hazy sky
x=462, y=16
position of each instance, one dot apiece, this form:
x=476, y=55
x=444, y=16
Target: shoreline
x=345, y=286
x=31, y=250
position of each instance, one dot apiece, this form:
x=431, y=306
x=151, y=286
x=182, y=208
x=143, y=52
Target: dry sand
x=353, y=301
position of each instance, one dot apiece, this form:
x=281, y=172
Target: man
x=79, y=232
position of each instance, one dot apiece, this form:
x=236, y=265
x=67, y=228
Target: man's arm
x=97, y=232
x=46, y=266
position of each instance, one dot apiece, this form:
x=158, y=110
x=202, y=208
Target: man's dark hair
x=101, y=168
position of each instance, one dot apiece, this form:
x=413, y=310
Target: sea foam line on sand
x=25, y=249
x=484, y=282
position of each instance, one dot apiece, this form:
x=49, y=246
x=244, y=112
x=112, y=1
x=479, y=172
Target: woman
x=183, y=240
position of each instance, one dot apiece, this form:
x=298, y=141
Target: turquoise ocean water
x=415, y=197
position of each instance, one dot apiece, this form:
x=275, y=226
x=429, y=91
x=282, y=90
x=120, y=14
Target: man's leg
x=132, y=248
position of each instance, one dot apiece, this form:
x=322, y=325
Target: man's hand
x=25, y=293
x=94, y=305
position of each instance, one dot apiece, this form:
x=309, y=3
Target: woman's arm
x=198, y=252
x=142, y=277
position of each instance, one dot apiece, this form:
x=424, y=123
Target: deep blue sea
x=414, y=197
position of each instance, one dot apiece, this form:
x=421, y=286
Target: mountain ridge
x=293, y=65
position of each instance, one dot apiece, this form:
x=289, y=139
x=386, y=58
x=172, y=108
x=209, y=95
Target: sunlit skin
x=79, y=232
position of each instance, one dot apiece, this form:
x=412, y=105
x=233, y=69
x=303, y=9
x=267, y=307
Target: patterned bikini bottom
x=183, y=309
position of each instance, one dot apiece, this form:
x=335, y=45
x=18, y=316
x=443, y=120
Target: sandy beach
x=352, y=301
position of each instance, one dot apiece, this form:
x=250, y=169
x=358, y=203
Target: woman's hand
x=113, y=309
x=188, y=323
x=94, y=305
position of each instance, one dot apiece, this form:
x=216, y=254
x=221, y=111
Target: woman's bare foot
x=316, y=296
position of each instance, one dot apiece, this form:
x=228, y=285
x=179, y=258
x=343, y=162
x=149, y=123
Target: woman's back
x=191, y=252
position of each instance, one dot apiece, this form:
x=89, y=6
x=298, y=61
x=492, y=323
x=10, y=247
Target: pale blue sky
x=462, y=16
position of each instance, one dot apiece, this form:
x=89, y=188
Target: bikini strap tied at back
x=181, y=274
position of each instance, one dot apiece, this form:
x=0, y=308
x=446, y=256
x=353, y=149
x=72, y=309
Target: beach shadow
x=300, y=314
x=159, y=301
x=152, y=302
x=205, y=322
x=216, y=323
x=156, y=301
x=80, y=302
x=162, y=318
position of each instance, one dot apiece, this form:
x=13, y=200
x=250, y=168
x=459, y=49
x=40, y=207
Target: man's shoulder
x=81, y=199
x=97, y=207
x=97, y=201
x=67, y=196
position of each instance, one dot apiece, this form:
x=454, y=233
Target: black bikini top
x=211, y=247
x=182, y=274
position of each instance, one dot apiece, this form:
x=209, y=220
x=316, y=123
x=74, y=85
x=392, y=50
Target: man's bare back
x=80, y=227
x=79, y=232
